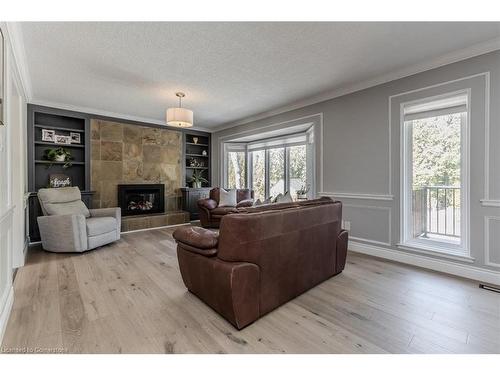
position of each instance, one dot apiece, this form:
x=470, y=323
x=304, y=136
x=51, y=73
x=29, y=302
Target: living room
x=250, y=187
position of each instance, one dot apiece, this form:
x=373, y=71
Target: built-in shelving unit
x=197, y=156
x=60, y=122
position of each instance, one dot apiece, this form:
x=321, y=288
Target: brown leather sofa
x=262, y=257
x=210, y=212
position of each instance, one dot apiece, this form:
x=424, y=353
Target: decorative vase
x=204, y=152
x=61, y=158
x=197, y=184
x=195, y=140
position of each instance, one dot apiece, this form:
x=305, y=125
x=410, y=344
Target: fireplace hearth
x=141, y=199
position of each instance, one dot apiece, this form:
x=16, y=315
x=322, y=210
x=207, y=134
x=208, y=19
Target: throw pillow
x=277, y=199
x=227, y=198
x=268, y=200
x=287, y=198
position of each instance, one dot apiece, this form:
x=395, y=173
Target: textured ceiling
x=229, y=71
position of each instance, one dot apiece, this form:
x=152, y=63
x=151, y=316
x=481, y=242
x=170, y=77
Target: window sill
x=442, y=252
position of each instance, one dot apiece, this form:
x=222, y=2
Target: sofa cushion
x=227, y=198
x=100, y=225
x=223, y=210
x=62, y=201
x=245, y=203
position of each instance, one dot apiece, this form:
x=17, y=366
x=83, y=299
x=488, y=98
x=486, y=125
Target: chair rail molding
x=376, y=197
x=490, y=202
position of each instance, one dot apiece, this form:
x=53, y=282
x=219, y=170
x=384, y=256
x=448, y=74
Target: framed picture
x=2, y=76
x=58, y=180
x=75, y=137
x=63, y=139
x=48, y=135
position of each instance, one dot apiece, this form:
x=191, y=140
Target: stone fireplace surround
x=135, y=154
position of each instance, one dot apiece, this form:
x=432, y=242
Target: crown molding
x=113, y=115
x=450, y=58
x=13, y=34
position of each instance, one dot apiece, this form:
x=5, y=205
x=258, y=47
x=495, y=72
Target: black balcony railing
x=436, y=211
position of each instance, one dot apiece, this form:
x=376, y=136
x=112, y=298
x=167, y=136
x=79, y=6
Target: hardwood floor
x=129, y=298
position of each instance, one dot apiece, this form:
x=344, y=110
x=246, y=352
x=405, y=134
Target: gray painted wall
x=361, y=152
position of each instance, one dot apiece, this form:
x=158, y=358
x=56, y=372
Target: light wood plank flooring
x=129, y=298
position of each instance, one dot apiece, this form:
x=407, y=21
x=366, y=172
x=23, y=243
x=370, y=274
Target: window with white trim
x=270, y=166
x=434, y=178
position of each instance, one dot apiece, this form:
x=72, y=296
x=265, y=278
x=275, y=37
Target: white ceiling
x=229, y=71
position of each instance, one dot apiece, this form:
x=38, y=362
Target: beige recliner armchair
x=69, y=226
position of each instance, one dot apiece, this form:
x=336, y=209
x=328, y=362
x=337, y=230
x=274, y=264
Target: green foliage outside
x=436, y=151
x=298, y=168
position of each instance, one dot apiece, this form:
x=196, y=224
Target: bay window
x=270, y=166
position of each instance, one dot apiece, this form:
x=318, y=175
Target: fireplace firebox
x=141, y=199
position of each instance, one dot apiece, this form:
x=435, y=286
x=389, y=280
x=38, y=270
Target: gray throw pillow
x=268, y=200
x=227, y=198
x=277, y=198
x=287, y=198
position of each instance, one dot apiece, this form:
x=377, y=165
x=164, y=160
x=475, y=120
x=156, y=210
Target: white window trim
x=462, y=250
x=290, y=140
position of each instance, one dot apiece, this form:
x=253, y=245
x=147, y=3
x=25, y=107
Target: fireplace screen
x=141, y=199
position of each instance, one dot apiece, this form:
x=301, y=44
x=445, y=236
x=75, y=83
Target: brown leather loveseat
x=211, y=213
x=262, y=257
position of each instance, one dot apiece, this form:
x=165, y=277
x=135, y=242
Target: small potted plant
x=58, y=155
x=197, y=179
x=302, y=192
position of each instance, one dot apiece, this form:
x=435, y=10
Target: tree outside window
x=297, y=169
x=236, y=170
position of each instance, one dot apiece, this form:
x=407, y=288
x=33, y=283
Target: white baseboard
x=5, y=312
x=457, y=269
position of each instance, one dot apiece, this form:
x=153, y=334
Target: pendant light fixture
x=178, y=116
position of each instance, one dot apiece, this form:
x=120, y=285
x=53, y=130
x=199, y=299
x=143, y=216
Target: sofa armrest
x=245, y=203
x=197, y=240
x=207, y=203
x=115, y=212
x=205, y=252
x=230, y=288
x=63, y=233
